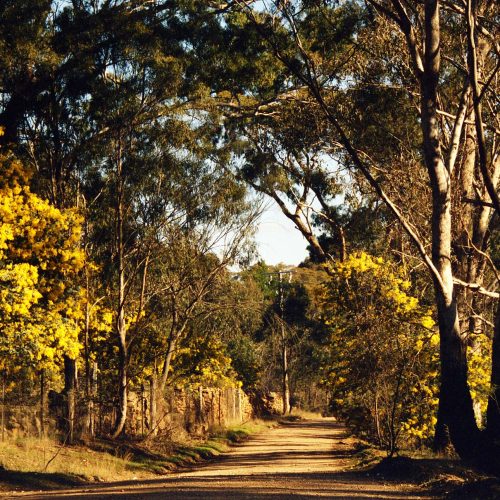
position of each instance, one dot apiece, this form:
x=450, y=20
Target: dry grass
x=192, y=450
x=307, y=415
x=240, y=432
x=34, y=463
x=48, y=456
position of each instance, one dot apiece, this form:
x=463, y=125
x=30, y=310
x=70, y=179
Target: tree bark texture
x=284, y=351
x=42, y=403
x=152, y=405
x=69, y=392
x=285, y=378
x=455, y=400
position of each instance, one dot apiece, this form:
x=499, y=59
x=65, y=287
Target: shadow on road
x=298, y=460
x=348, y=486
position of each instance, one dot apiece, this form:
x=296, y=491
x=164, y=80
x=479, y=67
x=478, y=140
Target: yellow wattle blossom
x=381, y=360
x=40, y=258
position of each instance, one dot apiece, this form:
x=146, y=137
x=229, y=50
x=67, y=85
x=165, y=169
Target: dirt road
x=299, y=460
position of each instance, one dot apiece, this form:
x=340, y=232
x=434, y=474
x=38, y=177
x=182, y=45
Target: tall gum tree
x=75, y=74
x=285, y=25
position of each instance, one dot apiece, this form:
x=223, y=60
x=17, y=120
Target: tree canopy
x=138, y=140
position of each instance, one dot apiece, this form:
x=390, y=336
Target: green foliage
x=151, y=107
x=245, y=360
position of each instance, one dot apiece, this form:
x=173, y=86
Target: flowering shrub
x=40, y=258
x=381, y=358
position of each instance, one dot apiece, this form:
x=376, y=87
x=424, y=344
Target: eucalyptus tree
x=289, y=331
x=189, y=265
x=108, y=114
x=341, y=54
x=26, y=59
x=286, y=159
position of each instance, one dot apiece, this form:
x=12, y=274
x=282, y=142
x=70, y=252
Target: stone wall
x=188, y=411
x=180, y=412
x=23, y=421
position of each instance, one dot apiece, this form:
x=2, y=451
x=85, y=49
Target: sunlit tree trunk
x=88, y=427
x=42, y=403
x=285, y=383
x=152, y=404
x=166, y=364
x=455, y=400
x=121, y=328
x=284, y=373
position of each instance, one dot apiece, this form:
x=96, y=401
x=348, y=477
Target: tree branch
x=476, y=94
x=477, y=288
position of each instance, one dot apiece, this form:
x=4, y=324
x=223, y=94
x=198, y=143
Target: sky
x=278, y=241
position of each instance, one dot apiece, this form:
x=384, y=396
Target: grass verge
x=44, y=464
x=219, y=441
x=34, y=463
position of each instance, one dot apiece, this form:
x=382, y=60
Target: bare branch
x=484, y=320
x=479, y=203
x=476, y=93
x=477, y=288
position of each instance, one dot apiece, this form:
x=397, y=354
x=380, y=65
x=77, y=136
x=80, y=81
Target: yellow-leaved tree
x=40, y=258
x=381, y=360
